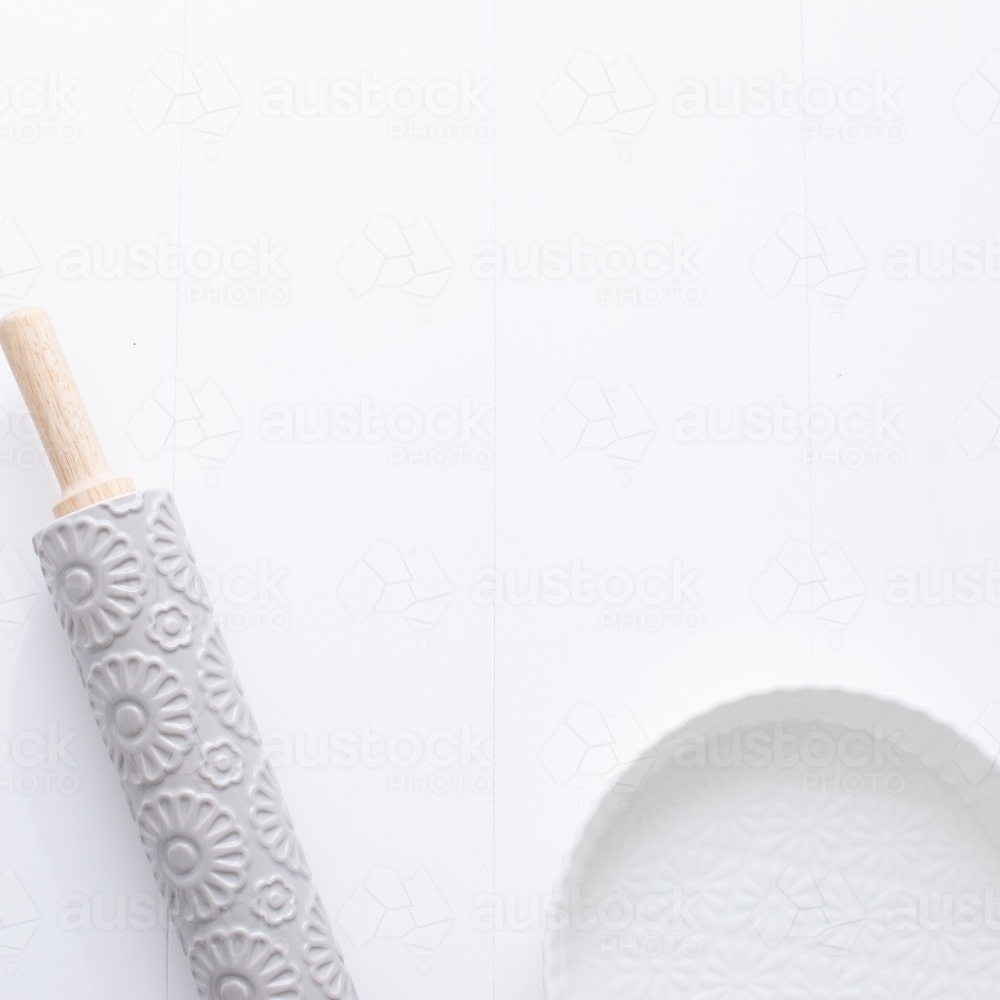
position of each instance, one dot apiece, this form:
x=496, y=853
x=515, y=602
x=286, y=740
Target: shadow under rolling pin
x=171, y=708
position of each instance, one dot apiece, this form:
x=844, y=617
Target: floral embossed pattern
x=95, y=578
x=170, y=626
x=144, y=714
x=222, y=687
x=171, y=710
x=239, y=965
x=172, y=553
x=223, y=763
x=124, y=505
x=197, y=851
x=274, y=901
x=274, y=827
x=326, y=961
x=787, y=858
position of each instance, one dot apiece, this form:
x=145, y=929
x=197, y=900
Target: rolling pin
x=171, y=709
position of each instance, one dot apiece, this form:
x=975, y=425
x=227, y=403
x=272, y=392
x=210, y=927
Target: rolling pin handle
x=56, y=407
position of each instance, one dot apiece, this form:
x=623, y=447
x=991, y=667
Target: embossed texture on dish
x=171, y=710
x=807, y=843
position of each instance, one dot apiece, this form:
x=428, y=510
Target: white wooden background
x=99, y=184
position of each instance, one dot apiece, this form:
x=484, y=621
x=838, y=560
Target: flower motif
x=984, y=989
x=645, y=977
x=890, y=838
x=742, y=973
x=171, y=552
x=985, y=957
x=726, y=810
x=905, y=984
x=95, y=578
x=806, y=827
x=196, y=850
x=274, y=901
x=963, y=854
x=882, y=905
x=274, y=826
x=816, y=979
x=700, y=880
x=755, y=885
x=708, y=876
x=321, y=951
x=942, y=946
x=170, y=626
x=144, y=714
x=238, y=965
x=223, y=690
x=120, y=506
x=223, y=764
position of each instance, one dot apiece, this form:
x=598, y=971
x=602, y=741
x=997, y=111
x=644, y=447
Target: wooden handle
x=54, y=402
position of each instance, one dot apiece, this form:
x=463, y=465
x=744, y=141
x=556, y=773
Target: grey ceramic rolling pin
x=171, y=709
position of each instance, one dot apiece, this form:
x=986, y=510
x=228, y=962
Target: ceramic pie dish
x=807, y=843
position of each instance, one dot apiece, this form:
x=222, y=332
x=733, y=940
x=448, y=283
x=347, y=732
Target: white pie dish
x=863, y=866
